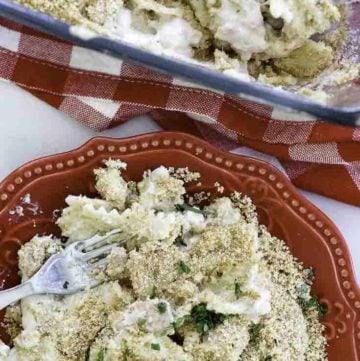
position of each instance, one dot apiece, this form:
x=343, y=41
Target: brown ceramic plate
x=312, y=237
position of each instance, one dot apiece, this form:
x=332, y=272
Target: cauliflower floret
x=160, y=191
x=31, y=346
x=134, y=345
x=154, y=267
x=298, y=22
x=34, y=253
x=82, y=315
x=151, y=348
x=151, y=316
x=192, y=223
x=306, y=61
x=222, y=211
x=82, y=323
x=111, y=185
x=141, y=224
x=241, y=290
x=180, y=293
x=116, y=267
x=84, y=217
x=282, y=334
x=225, y=342
x=12, y=320
x=218, y=248
x=240, y=24
x=114, y=296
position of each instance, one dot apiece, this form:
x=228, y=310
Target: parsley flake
x=238, y=291
x=161, y=306
x=183, y=268
x=322, y=310
x=153, y=292
x=155, y=346
x=313, y=302
x=101, y=355
x=205, y=320
x=141, y=323
x=66, y=285
x=185, y=207
x=254, y=331
x=310, y=303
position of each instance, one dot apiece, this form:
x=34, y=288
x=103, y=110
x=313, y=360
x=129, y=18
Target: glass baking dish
x=343, y=107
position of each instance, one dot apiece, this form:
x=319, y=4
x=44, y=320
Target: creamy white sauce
x=221, y=299
x=172, y=37
x=82, y=32
x=146, y=312
x=241, y=24
x=281, y=9
x=192, y=222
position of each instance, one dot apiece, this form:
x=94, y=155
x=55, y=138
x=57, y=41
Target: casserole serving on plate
x=311, y=237
x=281, y=48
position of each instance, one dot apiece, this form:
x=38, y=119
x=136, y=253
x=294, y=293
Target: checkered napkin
x=102, y=92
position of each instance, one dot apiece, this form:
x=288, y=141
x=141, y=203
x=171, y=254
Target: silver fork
x=67, y=272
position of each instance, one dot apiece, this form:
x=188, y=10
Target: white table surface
x=30, y=129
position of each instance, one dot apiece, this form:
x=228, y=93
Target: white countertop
x=30, y=129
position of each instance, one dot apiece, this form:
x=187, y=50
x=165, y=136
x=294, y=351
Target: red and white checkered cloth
x=103, y=92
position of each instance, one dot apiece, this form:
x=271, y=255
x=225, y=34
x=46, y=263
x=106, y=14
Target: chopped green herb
x=238, y=291
x=310, y=273
x=153, y=292
x=141, y=323
x=101, y=355
x=205, y=320
x=161, y=306
x=313, y=302
x=183, y=268
x=254, y=331
x=322, y=310
x=66, y=285
x=310, y=303
x=155, y=346
x=185, y=207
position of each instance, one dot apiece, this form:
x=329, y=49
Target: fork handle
x=14, y=294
